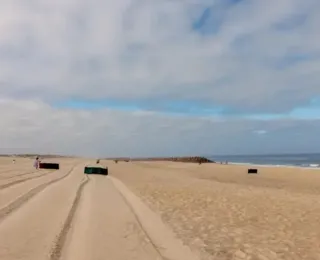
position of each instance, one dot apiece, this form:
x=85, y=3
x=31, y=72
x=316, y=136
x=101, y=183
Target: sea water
x=297, y=160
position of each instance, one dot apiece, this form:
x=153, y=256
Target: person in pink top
x=36, y=163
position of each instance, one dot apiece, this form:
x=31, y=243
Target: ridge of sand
x=163, y=237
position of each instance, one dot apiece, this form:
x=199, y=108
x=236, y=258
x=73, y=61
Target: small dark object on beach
x=116, y=161
x=252, y=171
x=98, y=161
x=96, y=170
x=52, y=166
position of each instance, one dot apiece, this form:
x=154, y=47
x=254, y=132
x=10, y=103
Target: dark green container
x=95, y=170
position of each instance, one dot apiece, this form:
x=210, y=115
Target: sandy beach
x=65, y=214
x=225, y=213
x=207, y=211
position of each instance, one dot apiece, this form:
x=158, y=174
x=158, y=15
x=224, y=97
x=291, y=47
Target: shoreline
x=311, y=166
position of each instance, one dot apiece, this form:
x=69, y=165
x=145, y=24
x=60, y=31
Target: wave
x=316, y=166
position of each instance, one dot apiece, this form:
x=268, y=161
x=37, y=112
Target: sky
x=159, y=78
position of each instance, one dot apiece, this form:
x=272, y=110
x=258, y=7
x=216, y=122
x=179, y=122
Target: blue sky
x=243, y=74
x=312, y=111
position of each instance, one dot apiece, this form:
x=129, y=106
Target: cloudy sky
x=159, y=77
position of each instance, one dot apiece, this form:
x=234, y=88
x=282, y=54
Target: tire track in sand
x=141, y=226
x=16, y=204
x=17, y=175
x=7, y=185
x=61, y=239
x=7, y=171
x=105, y=228
x=164, y=240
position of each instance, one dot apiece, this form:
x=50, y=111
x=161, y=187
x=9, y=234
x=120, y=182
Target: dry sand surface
x=219, y=212
x=223, y=213
x=65, y=214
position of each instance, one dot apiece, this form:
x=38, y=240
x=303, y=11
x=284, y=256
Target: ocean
x=297, y=160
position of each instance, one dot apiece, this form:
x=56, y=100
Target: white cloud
x=54, y=50
x=33, y=126
x=147, y=49
x=260, y=132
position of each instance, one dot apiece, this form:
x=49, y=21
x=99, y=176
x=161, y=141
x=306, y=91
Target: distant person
x=36, y=163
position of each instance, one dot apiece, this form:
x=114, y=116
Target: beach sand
x=218, y=211
x=224, y=213
x=67, y=215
